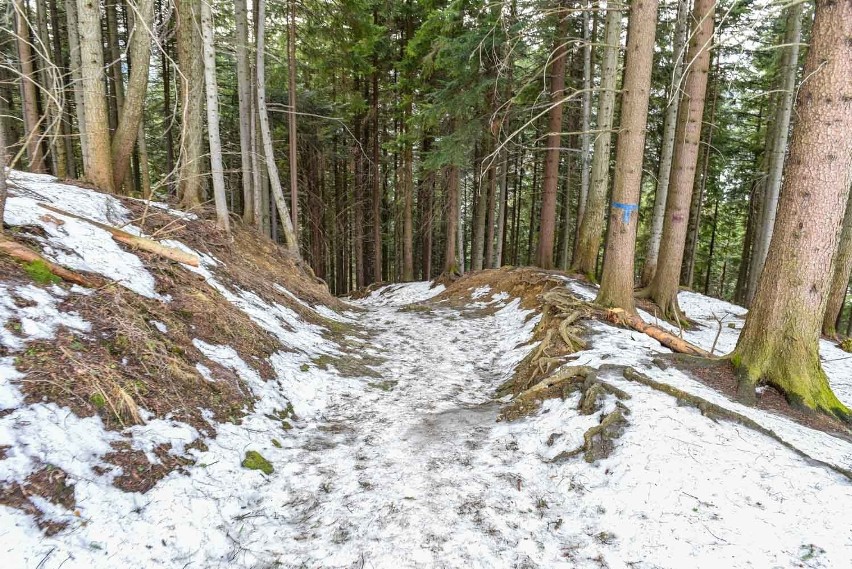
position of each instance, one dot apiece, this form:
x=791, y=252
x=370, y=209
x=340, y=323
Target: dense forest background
x=401, y=108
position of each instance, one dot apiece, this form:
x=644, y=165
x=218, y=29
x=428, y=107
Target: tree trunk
x=425, y=204
x=374, y=167
x=779, y=344
x=266, y=137
x=407, y=187
x=617, y=275
x=3, y=190
x=77, y=77
x=585, y=138
x=592, y=224
x=842, y=267
x=54, y=99
x=94, y=96
x=550, y=186
x=291, y=120
x=245, y=108
x=127, y=133
x=668, y=140
x=192, y=101
x=63, y=84
x=664, y=286
x=451, y=265
x=687, y=269
x=32, y=132
x=212, y=92
x=783, y=114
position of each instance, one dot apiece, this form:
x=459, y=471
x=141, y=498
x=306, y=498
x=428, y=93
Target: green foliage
x=41, y=273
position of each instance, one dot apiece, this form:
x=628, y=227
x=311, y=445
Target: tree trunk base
x=795, y=371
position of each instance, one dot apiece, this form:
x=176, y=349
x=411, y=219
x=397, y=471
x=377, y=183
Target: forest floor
x=379, y=422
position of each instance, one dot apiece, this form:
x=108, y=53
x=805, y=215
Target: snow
x=406, y=465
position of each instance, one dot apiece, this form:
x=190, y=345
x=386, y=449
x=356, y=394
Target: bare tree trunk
x=266, y=137
x=212, y=90
x=192, y=101
x=550, y=186
x=291, y=120
x=784, y=111
x=94, y=97
x=668, y=140
x=32, y=132
x=54, y=96
x=687, y=269
x=139, y=46
x=62, y=84
x=592, y=224
x=451, y=265
x=374, y=167
x=779, y=344
x=76, y=77
x=3, y=191
x=245, y=108
x=618, y=270
x=664, y=286
x=407, y=183
x=842, y=268
x=585, y=138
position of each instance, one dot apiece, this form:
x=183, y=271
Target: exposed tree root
x=717, y=412
x=598, y=441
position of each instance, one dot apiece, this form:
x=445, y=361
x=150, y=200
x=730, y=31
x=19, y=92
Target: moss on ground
x=254, y=461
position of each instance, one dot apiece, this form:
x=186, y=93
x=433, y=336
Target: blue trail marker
x=627, y=209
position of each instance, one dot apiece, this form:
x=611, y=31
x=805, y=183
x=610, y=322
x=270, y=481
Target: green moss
x=286, y=425
x=98, y=400
x=276, y=443
x=41, y=273
x=846, y=345
x=386, y=385
x=254, y=461
x=304, y=367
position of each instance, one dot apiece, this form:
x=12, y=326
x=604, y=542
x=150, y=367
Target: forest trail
x=413, y=469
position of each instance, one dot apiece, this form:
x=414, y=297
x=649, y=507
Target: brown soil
x=720, y=375
x=523, y=283
x=50, y=483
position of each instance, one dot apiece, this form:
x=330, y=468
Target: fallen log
x=669, y=340
x=142, y=243
x=27, y=255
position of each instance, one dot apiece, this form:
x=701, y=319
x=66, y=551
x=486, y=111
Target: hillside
x=235, y=414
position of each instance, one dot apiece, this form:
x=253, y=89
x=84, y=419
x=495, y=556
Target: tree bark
x=77, y=77
x=784, y=111
x=842, y=268
x=54, y=96
x=779, y=344
x=617, y=276
x=592, y=224
x=550, y=186
x=212, y=92
x=266, y=137
x=127, y=133
x=245, y=108
x=687, y=269
x=32, y=131
x=668, y=140
x=664, y=286
x=293, y=132
x=585, y=139
x=192, y=101
x=451, y=265
x=94, y=96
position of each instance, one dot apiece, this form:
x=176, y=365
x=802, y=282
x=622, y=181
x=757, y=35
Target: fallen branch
x=142, y=243
x=26, y=255
x=667, y=339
